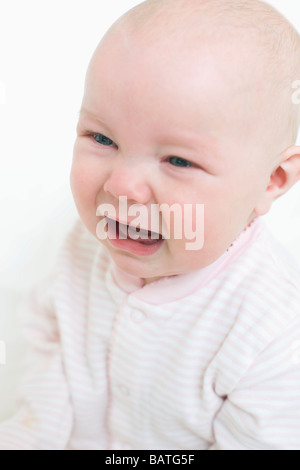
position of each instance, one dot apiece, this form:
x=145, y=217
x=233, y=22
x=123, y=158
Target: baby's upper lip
x=145, y=227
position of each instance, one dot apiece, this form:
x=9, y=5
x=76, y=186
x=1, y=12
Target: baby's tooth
x=135, y=233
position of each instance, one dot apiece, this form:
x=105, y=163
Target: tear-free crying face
x=174, y=114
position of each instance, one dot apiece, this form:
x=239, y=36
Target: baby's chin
x=170, y=259
x=139, y=267
x=149, y=271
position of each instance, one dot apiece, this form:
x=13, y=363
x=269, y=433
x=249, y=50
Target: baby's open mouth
x=122, y=231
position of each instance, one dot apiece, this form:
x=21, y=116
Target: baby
x=179, y=328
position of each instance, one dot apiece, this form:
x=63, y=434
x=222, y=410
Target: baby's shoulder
x=261, y=292
x=271, y=276
x=279, y=262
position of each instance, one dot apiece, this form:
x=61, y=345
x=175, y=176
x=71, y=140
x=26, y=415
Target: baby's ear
x=282, y=179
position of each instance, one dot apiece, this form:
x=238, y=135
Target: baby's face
x=167, y=126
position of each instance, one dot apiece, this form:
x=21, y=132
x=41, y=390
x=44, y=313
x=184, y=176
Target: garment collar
x=172, y=288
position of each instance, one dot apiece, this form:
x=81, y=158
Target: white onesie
x=205, y=360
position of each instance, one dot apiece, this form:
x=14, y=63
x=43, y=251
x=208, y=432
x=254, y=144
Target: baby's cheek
x=84, y=194
x=77, y=182
x=83, y=183
x=83, y=175
x=83, y=198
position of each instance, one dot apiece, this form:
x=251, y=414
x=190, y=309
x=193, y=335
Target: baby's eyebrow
x=207, y=144
x=84, y=110
x=94, y=117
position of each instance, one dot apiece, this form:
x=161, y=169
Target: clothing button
x=138, y=316
x=124, y=390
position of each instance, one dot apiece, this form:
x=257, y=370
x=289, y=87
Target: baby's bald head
x=255, y=27
x=188, y=103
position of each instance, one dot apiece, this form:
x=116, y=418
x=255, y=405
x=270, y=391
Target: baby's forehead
x=256, y=50
x=169, y=24
x=171, y=54
x=174, y=56
x=194, y=22
x=173, y=34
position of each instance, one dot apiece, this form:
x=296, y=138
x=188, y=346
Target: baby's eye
x=180, y=162
x=101, y=139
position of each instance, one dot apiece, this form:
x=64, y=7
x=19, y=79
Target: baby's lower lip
x=141, y=247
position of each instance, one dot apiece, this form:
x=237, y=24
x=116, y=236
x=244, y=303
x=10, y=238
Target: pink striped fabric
x=207, y=360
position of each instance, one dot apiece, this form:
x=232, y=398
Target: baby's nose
x=129, y=182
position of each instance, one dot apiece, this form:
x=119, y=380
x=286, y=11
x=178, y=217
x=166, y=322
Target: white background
x=45, y=48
